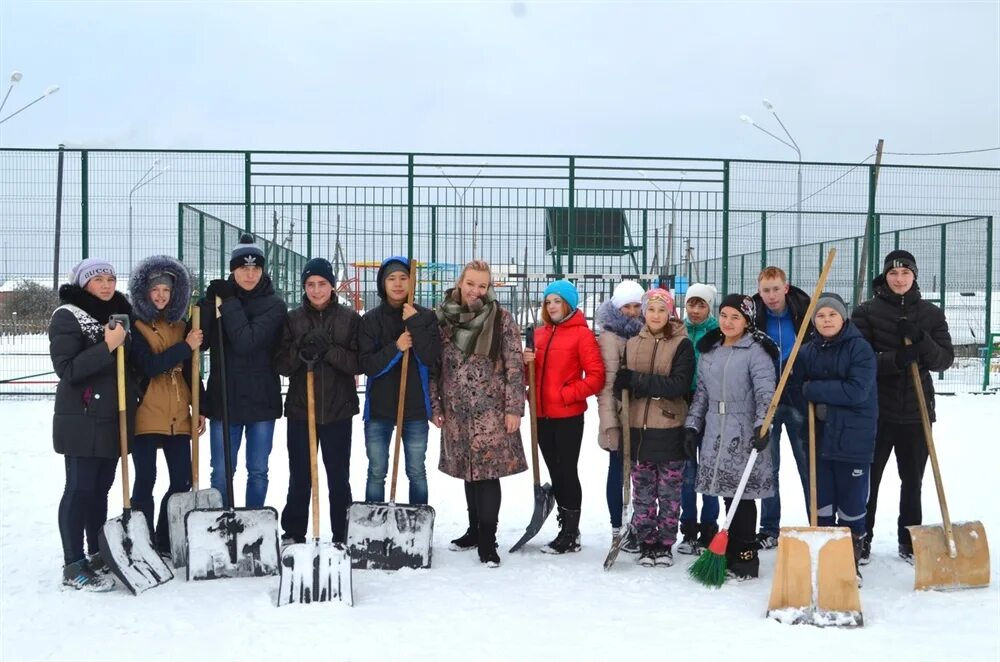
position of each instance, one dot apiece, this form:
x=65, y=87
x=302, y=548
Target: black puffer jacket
x=876, y=319
x=336, y=392
x=85, y=422
x=252, y=323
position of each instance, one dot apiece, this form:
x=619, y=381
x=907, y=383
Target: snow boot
x=743, y=565
x=469, y=540
x=689, y=543
x=80, y=576
x=568, y=539
x=859, y=542
x=487, y=544
x=865, y=556
x=647, y=554
x=663, y=557
x=906, y=552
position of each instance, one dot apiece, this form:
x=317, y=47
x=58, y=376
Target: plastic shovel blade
x=178, y=506
x=545, y=501
x=935, y=569
x=387, y=536
x=126, y=548
x=315, y=572
x=232, y=543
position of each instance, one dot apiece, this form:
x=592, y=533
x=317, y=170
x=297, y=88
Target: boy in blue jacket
x=838, y=375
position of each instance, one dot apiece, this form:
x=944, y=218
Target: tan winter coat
x=166, y=404
x=654, y=355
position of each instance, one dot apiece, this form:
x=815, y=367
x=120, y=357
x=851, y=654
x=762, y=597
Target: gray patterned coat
x=741, y=376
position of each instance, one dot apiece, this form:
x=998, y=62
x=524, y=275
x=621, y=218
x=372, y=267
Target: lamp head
x=15, y=77
x=768, y=105
x=748, y=120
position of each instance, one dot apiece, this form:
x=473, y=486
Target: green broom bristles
x=710, y=568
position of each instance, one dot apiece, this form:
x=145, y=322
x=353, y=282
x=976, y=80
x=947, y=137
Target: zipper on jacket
x=322, y=382
x=649, y=400
x=722, y=420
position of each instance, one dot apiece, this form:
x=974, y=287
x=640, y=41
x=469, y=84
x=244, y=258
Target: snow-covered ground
x=533, y=607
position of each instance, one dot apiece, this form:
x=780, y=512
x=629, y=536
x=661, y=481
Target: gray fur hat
x=151, y=271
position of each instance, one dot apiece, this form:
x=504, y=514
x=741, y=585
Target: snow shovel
x=390, y=536
x=544, y=498
x=626, y=527
x=230, y=542
x=949, y=555
x=317, y=571
x=125, y=543
x=179, y=505
x=815, y=579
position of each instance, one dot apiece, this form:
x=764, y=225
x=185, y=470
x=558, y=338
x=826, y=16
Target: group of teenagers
x=699, y=389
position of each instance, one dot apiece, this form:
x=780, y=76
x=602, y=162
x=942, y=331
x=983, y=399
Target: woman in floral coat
x=478, y=401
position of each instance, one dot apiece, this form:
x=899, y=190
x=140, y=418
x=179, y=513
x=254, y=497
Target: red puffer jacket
x=569, y=368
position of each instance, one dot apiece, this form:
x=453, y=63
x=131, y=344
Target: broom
x=710, y=568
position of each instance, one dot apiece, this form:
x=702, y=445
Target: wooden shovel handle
x=195, y=398
x=123, y=425
x=533, y=415
x=400, y=406
x=626, y=450
x=313, y=473
x=813, y=514
x=925, y=421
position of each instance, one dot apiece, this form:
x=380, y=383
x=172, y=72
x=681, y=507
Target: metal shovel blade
x=936, y=569
x=387, y=536
x=815, y=579
x=178, y=506
x=315, y=572
x=545, y=501
x=126, y=548
x=242, y=542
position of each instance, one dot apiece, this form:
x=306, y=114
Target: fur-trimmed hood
x=611, y=318
x=180, y=295
x=712, y=339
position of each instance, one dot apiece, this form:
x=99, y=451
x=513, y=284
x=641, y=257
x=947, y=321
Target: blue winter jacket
x=840, y=373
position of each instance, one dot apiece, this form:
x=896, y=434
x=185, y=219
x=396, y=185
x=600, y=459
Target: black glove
x=220, y=288
x=820, y=408
x=315, y=342
x=691, y=442
x=759, y=442
x=907, y=329
x=623, y=381
x=905, y=356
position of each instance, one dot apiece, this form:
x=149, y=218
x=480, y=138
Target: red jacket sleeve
x=593, y=369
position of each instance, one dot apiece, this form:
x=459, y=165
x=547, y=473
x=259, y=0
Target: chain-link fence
x=595, y=219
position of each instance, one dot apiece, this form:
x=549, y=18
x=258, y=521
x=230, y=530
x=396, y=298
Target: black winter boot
x=568, y=539
x=689, y=543
x=487, y=535
x=859, y=542
x=743, y=565
x=706, y=532
x=469, y=540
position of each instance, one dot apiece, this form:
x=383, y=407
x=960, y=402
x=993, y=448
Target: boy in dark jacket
x=895, y=314
x=385, y=333
x=252, y=316
x=836, y=371
x=324, y=331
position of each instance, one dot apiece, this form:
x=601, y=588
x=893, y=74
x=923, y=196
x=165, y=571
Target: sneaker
x=647, y=554
x=466, y=542
x=766, y=541
x=97, y=564
x=630, y=545
x=663, y=557
x=865, y=556
x=906, y=553
x=81, y=577
x=689, y=545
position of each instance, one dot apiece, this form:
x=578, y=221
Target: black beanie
x=246, y=254
x=321, y=267
x=742, y=303
x=899, y=259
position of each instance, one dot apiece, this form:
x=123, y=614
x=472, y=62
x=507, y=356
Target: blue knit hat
x=321, y=267
x=565, y=291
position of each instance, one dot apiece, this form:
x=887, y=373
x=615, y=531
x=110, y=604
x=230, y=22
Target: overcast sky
x=656, y=78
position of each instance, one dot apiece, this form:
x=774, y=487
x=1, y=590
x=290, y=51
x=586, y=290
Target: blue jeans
x=794, y=420
x=259, y=437
x=378, y=438
x=689, y=499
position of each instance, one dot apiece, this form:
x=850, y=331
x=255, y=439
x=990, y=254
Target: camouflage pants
x=656, y=500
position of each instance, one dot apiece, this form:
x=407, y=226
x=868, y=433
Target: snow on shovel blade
x=385, y=536
x=934, y=568
x=544, y=501
x=178, y=506
x=126, y=548
x=315, y=572
x=242, y=542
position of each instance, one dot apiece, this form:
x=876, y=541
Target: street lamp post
x=14, y=79
x=145, y=179
x=673, y=211
x=795, y=146
x=461, y=197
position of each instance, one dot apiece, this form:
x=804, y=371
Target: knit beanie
x=899, y=260
x=743, y=304
x=246, y=254
x=706, y=293
x=661, y=294
x=321, y=267
x=88, y=268
x=831, y=300
x=162, y=278
x=626, y=292
x=565, y=291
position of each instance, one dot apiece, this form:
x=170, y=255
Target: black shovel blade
x=389, y=536
x=315, y=572
x=545, y=501
x=126, y=548
x=242, y=542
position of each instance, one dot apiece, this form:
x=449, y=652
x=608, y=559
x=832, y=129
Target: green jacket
x=695, y=333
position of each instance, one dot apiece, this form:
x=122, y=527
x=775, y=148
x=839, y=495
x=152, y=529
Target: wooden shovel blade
x=815, y=581
x=934, y=567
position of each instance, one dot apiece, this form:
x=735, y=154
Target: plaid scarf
x=475, y=328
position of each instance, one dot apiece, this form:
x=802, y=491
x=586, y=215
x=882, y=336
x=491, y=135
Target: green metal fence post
x=571, y=215
x=944, y=263
x=645, y=239
x=180, y=231
x=222, y=250
x=247, y=194
x=855, y=290
x=989, y=299
x=791, y=264
x=84, y=208
x=434, y=250
x=763, y=240
x=895, y=240
x=873, y=231
x=820, y=259
x=309, y=231
x=409, y=207
x=725, y=228
x=742, y=271
x=201, y=252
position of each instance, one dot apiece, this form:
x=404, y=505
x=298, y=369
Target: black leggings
x=559, y=440
x=84, y=504
x=483, y=500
